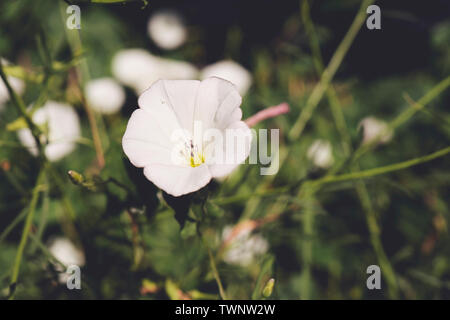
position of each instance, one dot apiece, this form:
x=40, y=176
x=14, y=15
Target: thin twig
x=210, y=255
x=382, y=170
x=329, y=72
x=25, y=232
x=363, y=194
x=17, y=101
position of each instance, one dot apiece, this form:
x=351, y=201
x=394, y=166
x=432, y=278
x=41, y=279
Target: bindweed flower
x=63, y=129
x=166, y=28
x=17, y=85
x=187, y=132
x=372, y=128
x=139, y=69
x=104, y=95
x=231, y=71
x=66, y=252
x=320, y=153
x=244, y=248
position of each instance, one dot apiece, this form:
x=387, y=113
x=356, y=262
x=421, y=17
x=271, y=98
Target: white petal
x=237, y=151
x=320, y=153
x=227, y=119
x=144, y=142
x=182, y=95
x=216, y=100
x=104, y=95
x=372, y=128
x=231, y=71
x=167, y=30
x=177, y=70
x=136, y=68
x=139, y=69
x=177, y=180
x=17, y=85
x=155, y=101
x=26, y=138
x=66, y=252
x=63, y=130
x=57, y=150
x=63, y=123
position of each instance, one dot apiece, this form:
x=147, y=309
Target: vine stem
x=215, y=272
x=381, y=170
x=20, y=105
x=26, y=231
x=361, y=189
x=329, y=72
x=404, y=116
x=210, y=254
x=83, y=76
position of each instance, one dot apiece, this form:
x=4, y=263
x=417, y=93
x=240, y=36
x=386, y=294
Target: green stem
x=13, y=224
x=95, y=120
x=44, y=215
x=405, y=116
x=329, y=72
x=363, y=194
x=17, y=101
x=254, y=199
x=381, y=170
x=25, y=232
x=307, y=244
x=215, y=272
x=69, y=216
x=210, y=255
x=333, y=100
x=374, y=230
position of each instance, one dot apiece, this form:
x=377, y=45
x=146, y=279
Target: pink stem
x=268, y=113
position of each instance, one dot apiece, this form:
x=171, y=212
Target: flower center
x=193, y=154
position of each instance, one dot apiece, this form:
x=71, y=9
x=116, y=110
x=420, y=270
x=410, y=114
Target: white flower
x=231, y=71
x=17, y=85
x=164, y=136
x=66, y=253
x=167, y=30
x=244, y=248
x=372, y=127
x=104, y=95
x=63, y=128
x=139, y=69
x=320, y=153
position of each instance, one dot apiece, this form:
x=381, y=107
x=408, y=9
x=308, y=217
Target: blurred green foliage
x=137, y=239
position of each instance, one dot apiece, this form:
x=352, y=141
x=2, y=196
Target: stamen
x=192, y=154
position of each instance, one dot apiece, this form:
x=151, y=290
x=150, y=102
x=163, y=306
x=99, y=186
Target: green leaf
x=17, y=124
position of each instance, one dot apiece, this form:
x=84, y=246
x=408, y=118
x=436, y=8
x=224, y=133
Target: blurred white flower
x=320, y=153
x=164, y=128
x=372, y=127
x=63, y=129
x=139, y=69
x=104, y=95
x=17, y=85
x=66, y=253
x=231, y=71
x=244, y=247
x=166, y=28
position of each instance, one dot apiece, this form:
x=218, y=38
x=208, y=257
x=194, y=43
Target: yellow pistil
x=197, y=160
